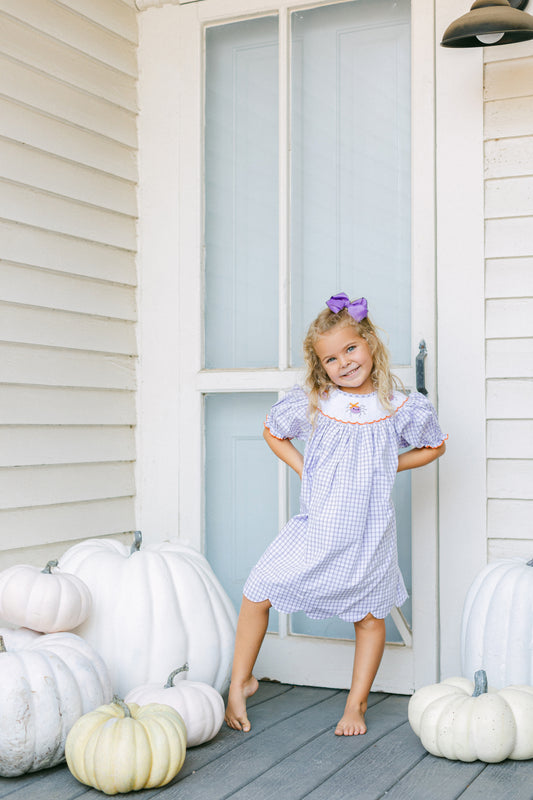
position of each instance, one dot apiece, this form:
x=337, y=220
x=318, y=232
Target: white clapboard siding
x=511, y=548
x=506, y=118
x=25, y=445
x=65, y=25
x=30, y=527
x=510, y=438
x=114, y=15
x=510, y=478
x=62, y=329
x=40, y=248
x=513, y=518
x=38, y=287
x=58, y=99
x=53, y=366
x=68, y=241
x=510, y=78
x=509, y=358
x=61, y=138
x=509, y=197
x=509, y=399
x=44, y=210
x=57, y=484
x=27, y=165
x=27, y=45
x=49, y=405
x=509, y=317
x=505, y=158
x=508, y=92
x=505, y=238
x=509, y=277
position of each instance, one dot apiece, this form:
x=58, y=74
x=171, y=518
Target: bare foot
x=352, y=722
x=236, y=716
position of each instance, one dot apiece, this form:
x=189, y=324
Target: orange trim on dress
x=429, y=447
x=349, y=422
x=279, y=438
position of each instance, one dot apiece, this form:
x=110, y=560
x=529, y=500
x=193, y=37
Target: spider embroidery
x=356, y=408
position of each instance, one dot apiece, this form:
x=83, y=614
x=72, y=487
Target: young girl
x=337, y=556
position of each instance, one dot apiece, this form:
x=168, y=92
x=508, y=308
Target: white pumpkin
x=46, y=683
x=461, y=722
x=123, y=748
x=497, y=625
x=201, y=706
x=152, y=608
x=43, y=600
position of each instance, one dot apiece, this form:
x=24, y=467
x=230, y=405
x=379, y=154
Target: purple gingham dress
x=338, y=556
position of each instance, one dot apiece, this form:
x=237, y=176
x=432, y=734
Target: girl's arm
x=285, y=450
x=419, y=456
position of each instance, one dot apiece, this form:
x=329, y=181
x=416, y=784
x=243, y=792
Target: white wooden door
x=306, y=154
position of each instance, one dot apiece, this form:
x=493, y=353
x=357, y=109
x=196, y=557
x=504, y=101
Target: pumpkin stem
x=170, y=681
x=120, y=702
x=480, y=683
x=2, y=645
x=137, y=541
x=48, y=569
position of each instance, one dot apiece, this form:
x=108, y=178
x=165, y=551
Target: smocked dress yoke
x=338, y=556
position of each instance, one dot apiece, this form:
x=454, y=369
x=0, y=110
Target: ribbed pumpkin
x=123, y=748
x=497, y=625
x=201, y=706
x=457, y=720
x=46, y=683
x=45, y=600
x=154, y=607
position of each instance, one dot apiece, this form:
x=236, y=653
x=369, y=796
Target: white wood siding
x=509, y=298
x=68, y=240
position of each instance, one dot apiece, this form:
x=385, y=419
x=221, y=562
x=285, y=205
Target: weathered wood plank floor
x=292, y=753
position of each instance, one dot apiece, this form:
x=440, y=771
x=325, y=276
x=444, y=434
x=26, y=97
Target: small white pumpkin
x=153, y=607
x=123, y=748
x=497, y=625
x=201, y=706
x=46, y=683
x=457, y=720
x=43, y=600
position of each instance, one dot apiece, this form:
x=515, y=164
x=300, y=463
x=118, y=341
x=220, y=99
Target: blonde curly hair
x=317, y=380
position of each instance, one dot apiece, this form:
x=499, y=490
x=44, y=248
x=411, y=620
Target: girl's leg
x=251, y=629
x=369, y=646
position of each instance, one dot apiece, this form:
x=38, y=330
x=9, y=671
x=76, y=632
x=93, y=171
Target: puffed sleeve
x=288, y=418
x=416, y=423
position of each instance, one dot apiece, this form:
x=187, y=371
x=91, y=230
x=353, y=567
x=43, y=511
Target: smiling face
x=347, y=359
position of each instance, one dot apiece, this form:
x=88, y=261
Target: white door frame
x=171, y=121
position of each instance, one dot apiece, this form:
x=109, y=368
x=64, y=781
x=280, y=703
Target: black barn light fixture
x=490, y=23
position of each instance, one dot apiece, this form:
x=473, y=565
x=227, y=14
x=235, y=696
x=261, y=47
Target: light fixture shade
x=494, y=19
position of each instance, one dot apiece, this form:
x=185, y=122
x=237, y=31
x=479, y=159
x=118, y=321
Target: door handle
x=420, y=368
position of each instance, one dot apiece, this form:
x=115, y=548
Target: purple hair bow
x=358, y=309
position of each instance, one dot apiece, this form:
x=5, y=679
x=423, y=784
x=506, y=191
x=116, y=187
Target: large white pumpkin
x=46, y=683
x=200, y=705
x=154, y=607
x=497, y=625
x=44, y=600
x=461, y=722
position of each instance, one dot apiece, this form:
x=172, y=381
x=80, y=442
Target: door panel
x=241, y=486
x=351, y=164
x=241, y=194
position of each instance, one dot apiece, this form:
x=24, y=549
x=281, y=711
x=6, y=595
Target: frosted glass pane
x=241, y=488
x=351, y=164
x=334, y=627
x=241, y=202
